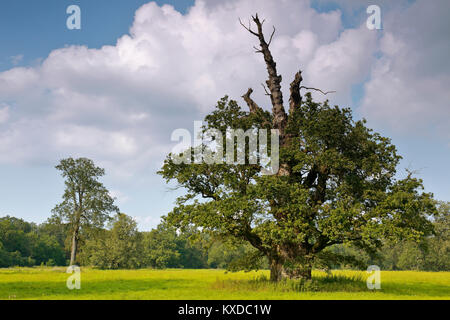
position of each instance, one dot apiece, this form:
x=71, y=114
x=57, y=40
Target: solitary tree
x=86, y=201
x=335, y=182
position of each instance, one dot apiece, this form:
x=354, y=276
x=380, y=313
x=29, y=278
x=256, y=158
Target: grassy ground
x=50, y=283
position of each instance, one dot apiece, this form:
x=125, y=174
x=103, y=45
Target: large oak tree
x=335, y=184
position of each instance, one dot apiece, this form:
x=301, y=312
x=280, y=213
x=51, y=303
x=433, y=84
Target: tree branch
x=251, y=104
x=265, y=89
x=274, y=81
x=296, y=99
x=248, y=28
x=315, y=89
x=271, y=36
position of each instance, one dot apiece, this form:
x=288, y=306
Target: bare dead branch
x=271, y=36
x=274, y=81
x=250, y=103
x=295, y=99
x=257, y=50
x=248, y=28
x=315, y=89
x=265, y=89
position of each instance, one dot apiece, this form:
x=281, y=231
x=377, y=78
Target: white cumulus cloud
x=409, y=88
x=119, y=104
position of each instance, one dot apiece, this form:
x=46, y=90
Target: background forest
x=121, y=246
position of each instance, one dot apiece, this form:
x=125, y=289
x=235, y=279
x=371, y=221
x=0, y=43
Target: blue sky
x=34, y=28
x=89, y=100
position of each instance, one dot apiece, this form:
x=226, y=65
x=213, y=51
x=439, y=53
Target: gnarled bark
x=276, y=269
x=274, y=81
x=296, y=99
x=291, y=260
x=251, y=104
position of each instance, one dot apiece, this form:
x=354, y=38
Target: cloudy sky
x=116, y=89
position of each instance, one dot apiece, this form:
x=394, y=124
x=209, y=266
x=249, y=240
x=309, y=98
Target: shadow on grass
x=329, y=283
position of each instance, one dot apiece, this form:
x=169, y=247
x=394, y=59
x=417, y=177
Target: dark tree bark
x=280, y=119
x=295, y=99
x=276, y=270
x=250, y=103
x=73, y=252
x=274, y=81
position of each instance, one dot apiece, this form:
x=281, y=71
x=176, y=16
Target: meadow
x=50, y=283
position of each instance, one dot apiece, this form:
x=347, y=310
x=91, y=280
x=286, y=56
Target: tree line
x=119, y=245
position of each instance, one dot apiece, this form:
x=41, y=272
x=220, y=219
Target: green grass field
x=50, y=283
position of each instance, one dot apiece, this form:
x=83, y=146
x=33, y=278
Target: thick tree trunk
x=304, y=273
x=307, y=273
x=276, y=270
x=299, y=258
x=73, y=253
x=299, y=262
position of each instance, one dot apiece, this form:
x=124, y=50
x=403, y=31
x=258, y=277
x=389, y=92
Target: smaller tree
x=14, y=235
x=46, y=250
x=191, y=244
x=22, y=245
x=160, y=247
x=164, y=247
x=235, y=256
x=56, y=228
x=438, y=258
x=86, y=201
x=431, y=253
x=118, y=248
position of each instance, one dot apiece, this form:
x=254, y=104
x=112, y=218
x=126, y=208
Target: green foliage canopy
x=341, y=188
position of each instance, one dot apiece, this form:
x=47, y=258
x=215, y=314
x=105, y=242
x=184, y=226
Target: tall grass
x=354, y=282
